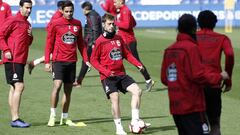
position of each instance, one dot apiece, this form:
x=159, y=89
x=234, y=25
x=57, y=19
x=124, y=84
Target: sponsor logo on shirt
x=69, y=38
x=172, y=72
x=115, y=54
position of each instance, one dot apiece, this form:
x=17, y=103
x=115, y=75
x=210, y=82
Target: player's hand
x=140, y=68
x=8, y=55
x=48, y=67
x=225, y=87
x=224, y=75
x=76, y=84
x=89, y=66
x=112, y=73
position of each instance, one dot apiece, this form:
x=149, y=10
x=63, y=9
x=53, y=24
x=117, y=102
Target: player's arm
x=50, y=41
x=125, y=23
x=163, y=75
x=95, y=58
x=82, y=47
x=5, y=31
x=229, y=62
x=197, y=72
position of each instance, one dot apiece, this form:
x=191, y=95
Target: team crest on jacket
x=172, y=72
x=69, y=38
x=75, y=29
x=115, y=54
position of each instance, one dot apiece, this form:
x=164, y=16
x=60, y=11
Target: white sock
x=118, y=124
x=64, y=115
x=148, y=81
x=53, y=112
x=37, y=61
x=135, y=115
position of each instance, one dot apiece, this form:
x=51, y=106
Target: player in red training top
x=212, y=45
x=55, y=16
x=15, y=39
x=107, y=57
x=185, y=76
x=63, y=38
x=5, y=11
x=109, y=7
x=125, y=23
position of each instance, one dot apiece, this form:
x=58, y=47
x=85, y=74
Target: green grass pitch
x=90, y=105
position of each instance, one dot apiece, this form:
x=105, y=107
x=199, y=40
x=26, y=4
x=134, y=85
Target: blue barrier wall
x=146, y=16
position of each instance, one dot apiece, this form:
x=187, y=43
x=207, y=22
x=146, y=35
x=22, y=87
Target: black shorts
x=64, y=71
x=116, y=83
x=14, y=72
x=192, y=124
x=213, y=103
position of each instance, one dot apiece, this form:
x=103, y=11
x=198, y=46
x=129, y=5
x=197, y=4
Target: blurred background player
x=212, y=45
x=5, y=11
x=92, y=30
x=55, y=16
x=109, y=7
x=63, y=38
x=125, y=23
x=184, y=74
x=107, y=57
x=15, y=39
x=229, y=6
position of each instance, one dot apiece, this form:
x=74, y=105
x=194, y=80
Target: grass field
x=90, y=105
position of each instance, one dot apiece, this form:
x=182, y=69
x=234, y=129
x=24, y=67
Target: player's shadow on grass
x=153, y=129
x=105, y=120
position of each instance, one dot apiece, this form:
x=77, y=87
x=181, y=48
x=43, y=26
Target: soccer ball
x=137, y=127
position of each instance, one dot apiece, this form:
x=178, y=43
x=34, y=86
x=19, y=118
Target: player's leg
x=111, y=90
x=136, y=100
x=34, y=63
x=149, y=81
x=213, y=109
x=14, y=74
x=68, y=79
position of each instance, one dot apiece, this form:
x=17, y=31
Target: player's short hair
x=67, y=3
x=87, y=5
x=207, y=19
x=60, y=4
x=187, y=23
x=106, y=17
x=24, y=1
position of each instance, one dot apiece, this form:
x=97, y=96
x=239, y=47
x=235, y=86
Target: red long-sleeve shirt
x=16, y=37
x=5, y=11
x=107, y=56
x=125, y=23
x=185, y=76
x=211, y=46
x=63, y=38
x=109, y=7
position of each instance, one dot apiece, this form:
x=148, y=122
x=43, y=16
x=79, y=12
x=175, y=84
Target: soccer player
x=125, y=23
x=55, y=16
x=4, y=13
x=212, y=45
x=92, y=30
x=107, y=57
x=109, y=7
x=63, y=38
x=185, y=76
x=15, y=39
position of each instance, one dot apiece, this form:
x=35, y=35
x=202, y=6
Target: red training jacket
x=125, y=23
x=107, y=56
x=16, y=37
x=5, y=11
x=63, y=38
x=185, y=75
x=109, y=7
x=211, y=46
